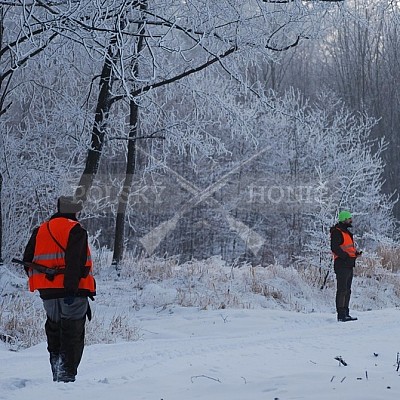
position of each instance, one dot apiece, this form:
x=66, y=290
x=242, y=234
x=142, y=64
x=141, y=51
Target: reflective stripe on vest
x=48, y=256
x=347, y=246
x=48, y=253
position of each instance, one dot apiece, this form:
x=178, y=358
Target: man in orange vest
x=344, y=254
x=62, y=243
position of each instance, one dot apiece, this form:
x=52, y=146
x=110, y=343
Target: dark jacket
x=75, y=258
x=343, y=260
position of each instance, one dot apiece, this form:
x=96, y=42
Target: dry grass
x=21, y=323
x=207, y=284
x=258, y=285
x=102, y=330
x=389, y=257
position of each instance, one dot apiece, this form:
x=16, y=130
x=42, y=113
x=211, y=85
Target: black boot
x=53, y=333
x=72, y=343
x=341, y=315
x=65, y=373
x=349, y=317
x=55, y=365
x=345, y=318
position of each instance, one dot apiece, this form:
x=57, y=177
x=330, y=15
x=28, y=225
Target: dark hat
x=68, y=205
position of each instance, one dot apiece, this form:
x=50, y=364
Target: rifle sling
x=55, y=240
x=84, y=270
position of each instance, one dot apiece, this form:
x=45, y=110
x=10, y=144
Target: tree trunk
x=124, y=195
x=104, y=103
x=130, y=162
x=1, y=220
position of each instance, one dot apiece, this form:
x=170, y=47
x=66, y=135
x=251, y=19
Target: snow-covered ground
x=187, y=353
x=245, y=334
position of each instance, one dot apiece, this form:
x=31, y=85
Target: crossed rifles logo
x=253, y=240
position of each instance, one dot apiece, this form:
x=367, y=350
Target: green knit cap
x=343, y=215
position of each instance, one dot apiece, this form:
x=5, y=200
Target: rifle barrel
x=41, y=268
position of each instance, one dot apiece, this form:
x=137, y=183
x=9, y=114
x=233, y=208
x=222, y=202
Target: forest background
x=201, y=128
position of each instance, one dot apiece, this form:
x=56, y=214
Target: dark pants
x=344, y=278
x=65, y=331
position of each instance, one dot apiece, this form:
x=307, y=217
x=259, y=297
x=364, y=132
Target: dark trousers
x=344, y=278
x=65, y=331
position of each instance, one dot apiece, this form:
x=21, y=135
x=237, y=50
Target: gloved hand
x=69, y=300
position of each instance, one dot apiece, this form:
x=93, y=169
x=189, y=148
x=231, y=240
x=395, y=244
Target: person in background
x=345, y=255
x=62, y=243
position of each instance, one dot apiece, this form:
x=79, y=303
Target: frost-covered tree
x=314, y=159
x=357, y=59
x=179, y=39
x=330, y=152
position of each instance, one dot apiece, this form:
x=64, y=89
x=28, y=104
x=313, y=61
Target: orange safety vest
x=51, y=242
x=347, y=245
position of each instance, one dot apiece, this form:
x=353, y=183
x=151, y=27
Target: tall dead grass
x=206, y=284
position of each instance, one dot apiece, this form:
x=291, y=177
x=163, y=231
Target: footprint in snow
x=15, y=383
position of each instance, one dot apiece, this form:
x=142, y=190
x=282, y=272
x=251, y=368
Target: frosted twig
x=205, y=376
x=341, y=361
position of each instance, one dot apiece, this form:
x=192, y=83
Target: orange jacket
x=347, y=246
x=50, y=246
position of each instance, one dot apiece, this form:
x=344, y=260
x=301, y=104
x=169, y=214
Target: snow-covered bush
x=327, y=151
x=208, y=284
x=216, y=284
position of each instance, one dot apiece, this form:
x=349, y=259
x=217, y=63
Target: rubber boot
x=341, y=315
x=72, y=343
x=349, y=317
x=53, y=333
x=65, y=374
x=55, y=361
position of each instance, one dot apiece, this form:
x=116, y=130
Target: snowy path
x=225, y=355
